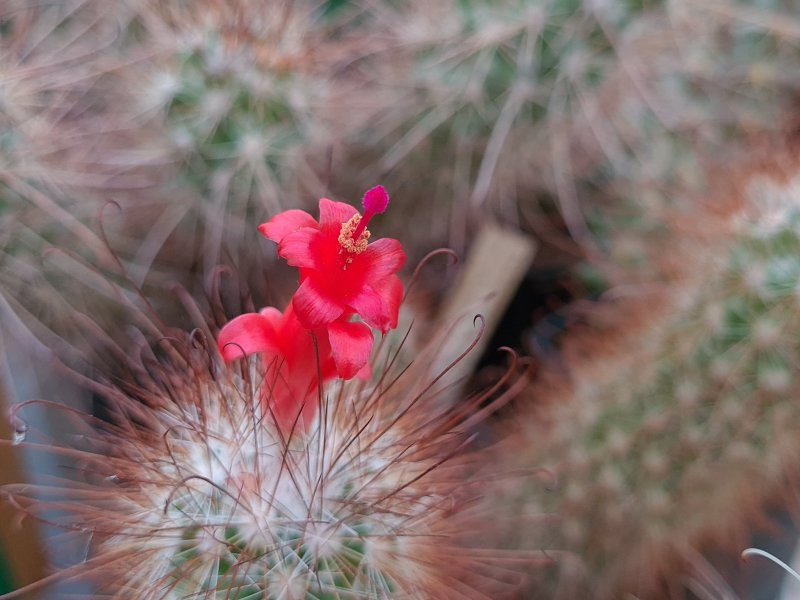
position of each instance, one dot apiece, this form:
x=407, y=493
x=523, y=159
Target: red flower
x=341, y=273
x=290, y=361
x=290, y=358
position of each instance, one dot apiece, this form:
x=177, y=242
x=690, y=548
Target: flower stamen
x=351, y=239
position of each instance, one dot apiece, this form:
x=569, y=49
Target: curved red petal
x=273, y=316
x=370, y=307
x=289, y=400
x=313, y=307
x=382, y=258
x=365, y=373
x=351, y=343
x=285, y=223
x=296, y=248
x=327, y=366
x=294, y=415
x=334, y=213
x=390, y=289
x=247, y=334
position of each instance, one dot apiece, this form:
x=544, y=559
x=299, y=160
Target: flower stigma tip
x=374, y=202
x=354, y=235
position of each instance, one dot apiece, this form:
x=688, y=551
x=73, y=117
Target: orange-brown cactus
x=670, y=426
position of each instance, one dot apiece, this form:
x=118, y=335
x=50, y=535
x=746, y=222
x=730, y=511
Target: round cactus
x=188, y=487
x=674, y=431
x=598, y=109
x=239, y=96
x=282, y=462
x=167, y=127
x=195, y=118
x=191, y=119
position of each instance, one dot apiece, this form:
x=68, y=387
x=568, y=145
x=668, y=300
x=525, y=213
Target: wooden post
x=494, y=268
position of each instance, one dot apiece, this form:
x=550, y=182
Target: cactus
x=51, y=79
x=213, y=473
x=195, y=120
x=231, y=101
x=236, y=92
x=674, y=431
x=189, y=490
x=191, y=119
x=603, y=110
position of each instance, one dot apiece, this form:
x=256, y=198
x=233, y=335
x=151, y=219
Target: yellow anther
x=346, y=240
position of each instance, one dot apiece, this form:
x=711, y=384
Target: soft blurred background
x=642, y=153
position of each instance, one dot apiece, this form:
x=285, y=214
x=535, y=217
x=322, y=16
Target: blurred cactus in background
x=673, y=430
x=192, y=117
x=196, y=116
x=601, y=110
x=153, y=132
x=236, y=95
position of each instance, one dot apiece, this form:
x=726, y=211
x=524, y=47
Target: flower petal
x=285, y=396
x=351, y=343
x=327, y=366
x=296, y=248
x=334, y=213
x=390, y=289
x=370, y=307
x=273, y=315
x=365, y=373
x=247, y=334
x=378, y=302
x=285, y=223
x=313, y=307
x=382, y=258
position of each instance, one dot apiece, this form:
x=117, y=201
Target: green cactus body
x=188, y=489
x=586, y=107
x=238, y=121
x=234, y=513
x=197, y=117
x=678, y=429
